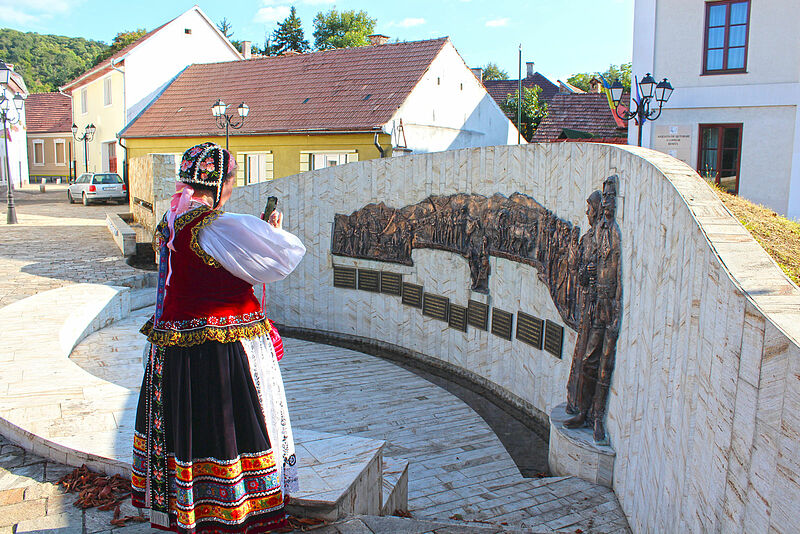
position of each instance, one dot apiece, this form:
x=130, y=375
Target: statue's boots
x=599, y=430
x=571, y=409
x=576, y=422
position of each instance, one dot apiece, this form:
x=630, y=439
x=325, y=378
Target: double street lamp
x=218, y=110
x=6, y=114
x=649, y=89
x=86, y=137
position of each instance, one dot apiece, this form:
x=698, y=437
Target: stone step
x=395, y=486
x=141, y=298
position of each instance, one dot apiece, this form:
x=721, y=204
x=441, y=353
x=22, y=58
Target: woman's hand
x=276, y=219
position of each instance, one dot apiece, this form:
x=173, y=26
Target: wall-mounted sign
x=675, y=140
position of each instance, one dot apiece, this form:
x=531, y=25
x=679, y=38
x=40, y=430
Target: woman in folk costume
x=213, y=448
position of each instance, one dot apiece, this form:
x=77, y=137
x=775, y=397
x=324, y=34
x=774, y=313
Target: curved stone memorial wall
x=704, y=407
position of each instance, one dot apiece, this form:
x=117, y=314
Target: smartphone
x=272, y=203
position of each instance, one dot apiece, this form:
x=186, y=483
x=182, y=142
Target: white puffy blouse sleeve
x=251, y=249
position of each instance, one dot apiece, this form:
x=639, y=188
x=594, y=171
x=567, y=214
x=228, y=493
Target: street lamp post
x=649, y=89
x=86, y=137
x=5, y=110
x=229, y=121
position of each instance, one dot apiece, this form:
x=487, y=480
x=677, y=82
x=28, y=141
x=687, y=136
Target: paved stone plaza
x=459, y=468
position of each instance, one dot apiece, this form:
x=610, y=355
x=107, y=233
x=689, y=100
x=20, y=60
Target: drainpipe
x=124, y=119
x=379, y=147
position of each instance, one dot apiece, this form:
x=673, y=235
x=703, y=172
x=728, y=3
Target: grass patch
x=779, y=236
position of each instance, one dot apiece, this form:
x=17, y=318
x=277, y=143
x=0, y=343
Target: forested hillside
x=47, y=61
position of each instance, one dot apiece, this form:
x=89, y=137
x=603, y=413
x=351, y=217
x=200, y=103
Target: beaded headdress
x=206, y=164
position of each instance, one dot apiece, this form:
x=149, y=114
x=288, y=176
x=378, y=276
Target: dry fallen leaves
x=96, y=490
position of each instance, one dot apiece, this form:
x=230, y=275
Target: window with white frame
x=84, y=102
x=320, y=160
x=38, y=152
x=107, y=91
x=61, y=152
x=258, y=168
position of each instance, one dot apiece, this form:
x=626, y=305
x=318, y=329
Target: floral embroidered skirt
x=213, y=449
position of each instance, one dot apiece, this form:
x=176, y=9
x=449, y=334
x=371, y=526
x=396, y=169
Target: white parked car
x=91, y=186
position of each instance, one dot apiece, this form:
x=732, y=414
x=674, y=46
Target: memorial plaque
x=435, y=306
x=529, y=329
x=369, y=280
x=344, y=277
x=501, y=323
x=553, y=338
x=478, y=314
x=391, y=283
x=458, y=317
x=412, y=295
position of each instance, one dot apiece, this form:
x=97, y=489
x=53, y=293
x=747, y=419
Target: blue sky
x=561, y=36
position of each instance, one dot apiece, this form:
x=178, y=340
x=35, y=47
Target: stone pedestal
x=573, y=452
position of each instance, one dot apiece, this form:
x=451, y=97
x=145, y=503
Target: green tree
x=534, y=109
x=344, y=29
x=288, y=36
x=122, y=40
x=226, y=28
x=47, y=62
x=492, y=72
x=613, y=73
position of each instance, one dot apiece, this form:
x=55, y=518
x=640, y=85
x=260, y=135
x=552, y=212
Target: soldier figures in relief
x=604, y=314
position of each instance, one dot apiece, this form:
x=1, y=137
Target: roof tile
x=48, y=113
x=587, y=112
x=334, y=82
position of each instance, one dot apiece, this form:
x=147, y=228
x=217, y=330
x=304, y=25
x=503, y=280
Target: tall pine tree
x=288, y=36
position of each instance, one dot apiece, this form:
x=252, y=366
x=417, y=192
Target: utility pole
x=519, y=98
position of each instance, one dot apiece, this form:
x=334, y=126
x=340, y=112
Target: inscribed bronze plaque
x=391, y=283
x=412, y=295
x=529, y=329
x=458, y=317
x=369, y=280
x=553, y=338
x=478, y=314
x=501, y=323
x=435, y=306
x=344, y=277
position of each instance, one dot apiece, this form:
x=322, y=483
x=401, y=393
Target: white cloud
x=271, y=14
x=407, y=23
x=496, y=23
x=316, y=2
x=31, y=11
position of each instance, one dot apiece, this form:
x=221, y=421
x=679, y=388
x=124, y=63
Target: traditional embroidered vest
x=203, y=301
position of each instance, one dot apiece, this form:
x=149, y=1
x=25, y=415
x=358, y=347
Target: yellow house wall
x=285, y=149
x=107, y=119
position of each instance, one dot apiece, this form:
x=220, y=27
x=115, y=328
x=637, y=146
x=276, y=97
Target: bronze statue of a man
x=587, y=295
x=601, y=345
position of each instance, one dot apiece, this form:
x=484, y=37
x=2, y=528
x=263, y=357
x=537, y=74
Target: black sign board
x=478, y=314
x=435, y=306
x=501, y=323
x=458, y=317
x=391, y=283
x=553, y=338
x=529, y=329
x=369, y=280
x=412, y=295
x=344, y=277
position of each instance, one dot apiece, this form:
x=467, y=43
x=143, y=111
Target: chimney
x=529, y=66
x=595, y=86
x=377, y=39
x=478, y=72
x=247, y=49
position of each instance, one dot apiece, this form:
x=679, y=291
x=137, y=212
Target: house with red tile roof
x=501, y=89
x=50, y=144
x=581, y=117
x=118, y=88
x=325, y=108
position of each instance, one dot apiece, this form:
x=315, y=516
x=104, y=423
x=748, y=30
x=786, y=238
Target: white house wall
x=17, y=149
x=450, y=109
x=161, y=57
x=668, y=41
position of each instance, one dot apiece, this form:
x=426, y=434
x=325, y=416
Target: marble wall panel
x=704, y=404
